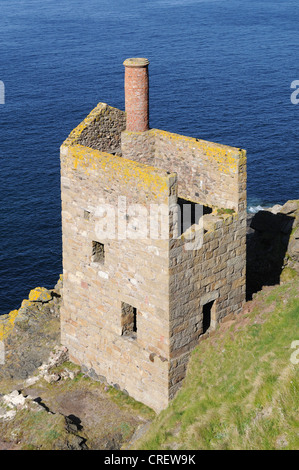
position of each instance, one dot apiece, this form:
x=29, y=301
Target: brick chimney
x=136, y=94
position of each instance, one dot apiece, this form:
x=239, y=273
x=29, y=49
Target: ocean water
x=220, y=70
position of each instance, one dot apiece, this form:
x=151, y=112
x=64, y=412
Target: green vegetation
x=126, y=402
x=36, y=429
x=225, y=211
x=107, y=413
x=106, y=416
x=83, y=383
x=241, y=390
x=288, y=274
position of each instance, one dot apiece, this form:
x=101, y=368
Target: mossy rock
x=223, y=211
x=288, y=274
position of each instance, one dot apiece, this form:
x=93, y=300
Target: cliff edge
x=47, y=402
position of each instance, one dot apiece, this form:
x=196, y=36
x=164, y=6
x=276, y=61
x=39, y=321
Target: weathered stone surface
x=70, y=407
x=293, y=247
x=275, y=209
x=104, y=128
x=58, y=287
x=35, y=328
x=290, y=207
x=273, y=246
x=51, y=378
x=161, y=278
x=40, y=294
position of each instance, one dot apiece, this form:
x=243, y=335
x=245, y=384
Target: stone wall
x=208, y=173
x=139, y=146
x=211, y=276
x=214, y=274
x=135, y=305
x=134, y=272
x=101, y=129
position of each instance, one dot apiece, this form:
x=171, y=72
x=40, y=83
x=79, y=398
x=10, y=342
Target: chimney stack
x=136, y=94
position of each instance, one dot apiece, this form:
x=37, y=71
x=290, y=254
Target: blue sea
x=220, y=70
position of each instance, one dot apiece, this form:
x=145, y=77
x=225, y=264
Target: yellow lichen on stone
x=75, y=134
x=227, y=158
x=138, y=174
x=39, y=294
x=7, y=326
x=26, y=304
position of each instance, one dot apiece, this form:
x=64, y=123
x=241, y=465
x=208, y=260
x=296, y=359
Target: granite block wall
x=212, y=276
x=135, y=302
x=208, y=173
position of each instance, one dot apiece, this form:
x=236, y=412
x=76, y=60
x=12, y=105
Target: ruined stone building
x=137, y=296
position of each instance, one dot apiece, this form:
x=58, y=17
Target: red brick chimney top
x=137, y=94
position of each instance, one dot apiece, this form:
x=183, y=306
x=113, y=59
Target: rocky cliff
x=46, y=402
x=272, y=246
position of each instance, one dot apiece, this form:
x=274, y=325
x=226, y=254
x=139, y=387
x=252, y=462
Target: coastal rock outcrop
x=47, y=402
x=37, y=380
x=272, y=246
x=35, y=327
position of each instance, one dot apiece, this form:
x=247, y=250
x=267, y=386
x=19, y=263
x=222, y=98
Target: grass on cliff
x=36, y=430
x=241, y=390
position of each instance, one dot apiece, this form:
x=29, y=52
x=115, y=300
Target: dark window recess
x=98, y=252
x=86, y=215
x=128, y=320
x=206, y=316
x=190, y=213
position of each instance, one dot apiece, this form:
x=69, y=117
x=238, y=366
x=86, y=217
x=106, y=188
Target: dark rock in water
x=249, y=228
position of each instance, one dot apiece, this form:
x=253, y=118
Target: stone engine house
x=140, y=291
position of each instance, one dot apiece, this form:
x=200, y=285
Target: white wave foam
x=255, y=209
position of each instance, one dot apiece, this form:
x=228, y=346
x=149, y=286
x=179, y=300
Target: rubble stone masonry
x=135, y=306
